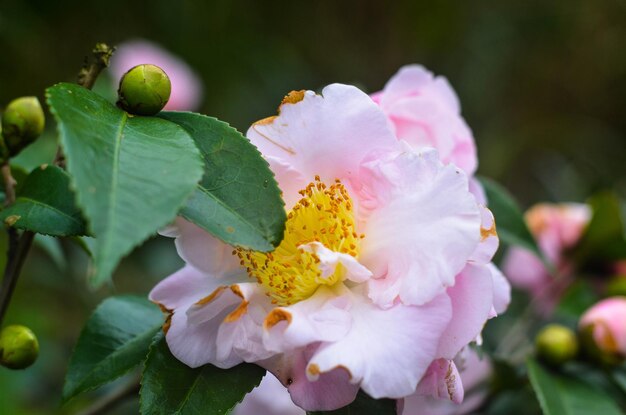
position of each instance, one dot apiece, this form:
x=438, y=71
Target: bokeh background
x=542, y=84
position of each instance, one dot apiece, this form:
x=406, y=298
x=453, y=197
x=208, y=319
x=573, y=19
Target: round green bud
x=19, y=347
x=144, y=90
x=22, y=122
x=556, y=344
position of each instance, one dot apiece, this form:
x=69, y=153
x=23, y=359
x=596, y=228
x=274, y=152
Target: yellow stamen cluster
x=324, y=214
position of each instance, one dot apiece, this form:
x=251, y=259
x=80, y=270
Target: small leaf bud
x=19, y=347
x=556, y=344
x=144, y=90
x=22, y=122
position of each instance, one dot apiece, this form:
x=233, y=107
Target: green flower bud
x=22, y=122
x=144, y=90
x=18, y=347
x=556, y=344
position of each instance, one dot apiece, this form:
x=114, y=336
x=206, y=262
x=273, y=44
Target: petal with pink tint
x=203, y=251
x=406, y=344
x=489, y=240
x=331, y=390
x=269, y=398
x=501, y=290
x=326, y=135
x=323, y=317
x=607, y=319
x=421, y=229
x=442, y=381
x=329, y=260
x=472, y=300
x=183, y=288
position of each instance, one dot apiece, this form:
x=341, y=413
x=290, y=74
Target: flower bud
x=556, y=344
x=18, y=347
x=22, y=122
x=603, y=330
x=144, y=90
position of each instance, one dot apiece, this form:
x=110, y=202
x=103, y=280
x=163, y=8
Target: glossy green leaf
x=560, y=395
x=603, y=239
x=131, y=174
x=169, y=387
x=116, y=338
x=238, y=199
x=45, y=204
x=363, y=405
x=52, y=247
x=510, y=223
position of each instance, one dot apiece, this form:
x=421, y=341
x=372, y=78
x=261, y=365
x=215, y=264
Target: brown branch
x=89, y=72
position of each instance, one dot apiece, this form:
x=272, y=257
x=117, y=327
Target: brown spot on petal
x=237, y=313
x=265, y=121
x=211, y=296
x=313, y=369
x=292, y=98
x=276, y=316
x=168, y=323
x=237, y=291
x=486, y=233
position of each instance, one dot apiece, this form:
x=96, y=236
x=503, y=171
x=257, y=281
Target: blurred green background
x=542, y=84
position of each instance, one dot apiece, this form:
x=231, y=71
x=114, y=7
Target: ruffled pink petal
x=183, y=288
x=331, y=390
x=607, y=318
x=501, y=290
x=489, y=240
x=472, y=300
x=329, y=260
x=205, y=252
x=421, y=227
x=442, y=381
x=391, y=363
x=325, y=316
x=269, y=398
x=326, y=135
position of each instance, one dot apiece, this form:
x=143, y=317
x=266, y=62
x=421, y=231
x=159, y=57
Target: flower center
x=290, y=274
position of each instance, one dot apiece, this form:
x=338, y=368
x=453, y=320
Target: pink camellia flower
x=556, y=227
x=384, y=269
x=186, y=84
x=605, y=322
x=269, y=398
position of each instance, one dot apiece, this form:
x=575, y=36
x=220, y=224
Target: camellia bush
x=341, y=257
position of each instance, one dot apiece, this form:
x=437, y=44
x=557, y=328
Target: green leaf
x=238, y=199
x=115, y=339
x=510, y=223
x=52, y=247
x=364, y=405
x=45, y=204
x=560, y=395
x=170, y=387
x=131, y=174
x=603, y=239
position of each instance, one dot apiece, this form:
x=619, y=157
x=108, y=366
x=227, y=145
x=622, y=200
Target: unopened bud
x=603, y=331
x=22, y=122
x=19, y=347
x=556, y=344
x=144, y=90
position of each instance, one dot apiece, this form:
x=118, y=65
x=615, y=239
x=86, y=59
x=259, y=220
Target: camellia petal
x=472, y=300
x=269, y=398
x=442, y=381
x=393, y=364
x=325, y=135
x=423, y=229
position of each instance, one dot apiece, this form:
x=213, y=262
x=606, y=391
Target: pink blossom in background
x=607, y=322
x=384, y=274
x=556, y=227
x=187, y=88
x=424, y=111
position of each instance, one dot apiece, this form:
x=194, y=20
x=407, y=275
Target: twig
x=20, y=245
x=103, y=405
